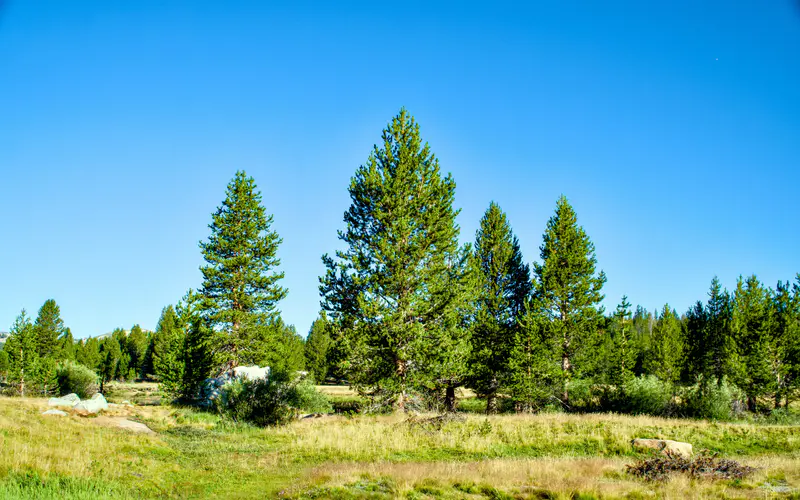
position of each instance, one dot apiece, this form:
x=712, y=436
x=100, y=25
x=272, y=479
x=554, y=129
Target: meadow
x=195, y=454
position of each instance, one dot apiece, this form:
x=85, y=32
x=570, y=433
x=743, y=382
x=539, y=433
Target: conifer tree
x=4, y=364
x=22, y=347
x=88, y=353
x=316, y=348
x=110, y=354
x=786, y=339
x=396, y=290
x=503, y=286
x=622, y=350
x=136, y=346
x=569, y=287
x=240, y=285
x=167, y=351
x=666, y=353
x=67, y=346
x=49, y=328
x=695, y=354
x=535, y=371
x=751, y=327
x=718, y=341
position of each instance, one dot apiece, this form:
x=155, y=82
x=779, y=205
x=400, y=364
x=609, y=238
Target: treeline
x=409, y=315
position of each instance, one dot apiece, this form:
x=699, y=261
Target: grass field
x=196, y=455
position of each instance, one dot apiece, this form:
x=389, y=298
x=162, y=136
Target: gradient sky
x=673, y=128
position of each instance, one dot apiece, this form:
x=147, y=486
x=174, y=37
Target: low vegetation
x=197, y=454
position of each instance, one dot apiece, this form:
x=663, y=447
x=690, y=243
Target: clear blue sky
x=672, y=127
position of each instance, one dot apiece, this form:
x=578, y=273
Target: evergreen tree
x=718, y=340
x=504, y=284
x=535, y=372
x=110, y=354
x=4, y=364
x=666, y=354
x=316, y=348
x=395, y=291
x=751, y=327
x=88, y=353
x=197, y=357
x=786, y=339
x=49, y=328
x=569, y=287
x=123, y=364
x=240, y=284
x=22, y=347
x=694, y=327
x=641, y=337
x=136, y=346
x=167, y=352
x=622, y=348
x=67, y=346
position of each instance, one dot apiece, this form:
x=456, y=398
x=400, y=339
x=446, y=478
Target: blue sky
x=672, y=127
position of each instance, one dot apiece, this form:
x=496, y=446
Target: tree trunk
x=450, y=399
x=751, y=404
x=777, y=400
x=400, y=369
x=491, y=403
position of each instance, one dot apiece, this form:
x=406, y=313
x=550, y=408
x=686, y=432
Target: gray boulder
x=69, y=400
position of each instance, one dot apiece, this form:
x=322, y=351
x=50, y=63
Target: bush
x=646, y=395
x=708, y=399
x=74, y=377
x=272, y=401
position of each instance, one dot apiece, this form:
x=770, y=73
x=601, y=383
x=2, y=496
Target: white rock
x=251, y=372
x=68, y=400
x=665, y=446
x=57, y=413
x=94, y=405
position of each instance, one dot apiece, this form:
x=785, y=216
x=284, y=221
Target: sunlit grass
x=196, y=455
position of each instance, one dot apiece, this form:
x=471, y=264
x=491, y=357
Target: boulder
x=68, y=400
x=663, y=446
x=94, y=405
x=56, y=413
x=251, y=372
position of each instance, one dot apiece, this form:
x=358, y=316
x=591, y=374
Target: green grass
x=197, y=455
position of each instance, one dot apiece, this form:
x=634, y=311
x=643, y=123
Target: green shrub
x=708, y=399
x=272, y=401
x=646, y=395
x=74, y=377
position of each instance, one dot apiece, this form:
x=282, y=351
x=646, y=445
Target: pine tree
x=4, y=364
x=534, y=369
x=167, y=352
x=67, y=346
x=136, y=346
x=88, y=353
x=110, y=354
x=718, y=340
x=751, y=327
x=694, y=326
x=395, y=291
x=622, y=348
x=123, y=364
x=22, y=347
x=504, y=284
x=49, y=328
x=240, y=284
x=569, y=287
x=666, y=354
x=316, y=348
x=786, y=339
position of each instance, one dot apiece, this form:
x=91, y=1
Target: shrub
x=275, y=400
x=77, y=378
x=646, y=395
x=708, y=399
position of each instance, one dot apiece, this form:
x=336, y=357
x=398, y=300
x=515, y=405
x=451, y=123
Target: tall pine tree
x=718, y=341
x=240, y=283
x=397, y=288
x=503, y=286
x=665, y=355
x=569, y=287
x=167, y=351
x=49, y=328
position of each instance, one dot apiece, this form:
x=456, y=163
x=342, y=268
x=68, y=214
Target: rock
x=251, y=372
x=68, y=400
x=94, y=405
x=57, y=413
x=664, y=446
x=134, y=426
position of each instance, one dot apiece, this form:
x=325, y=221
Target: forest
x=409, y=316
